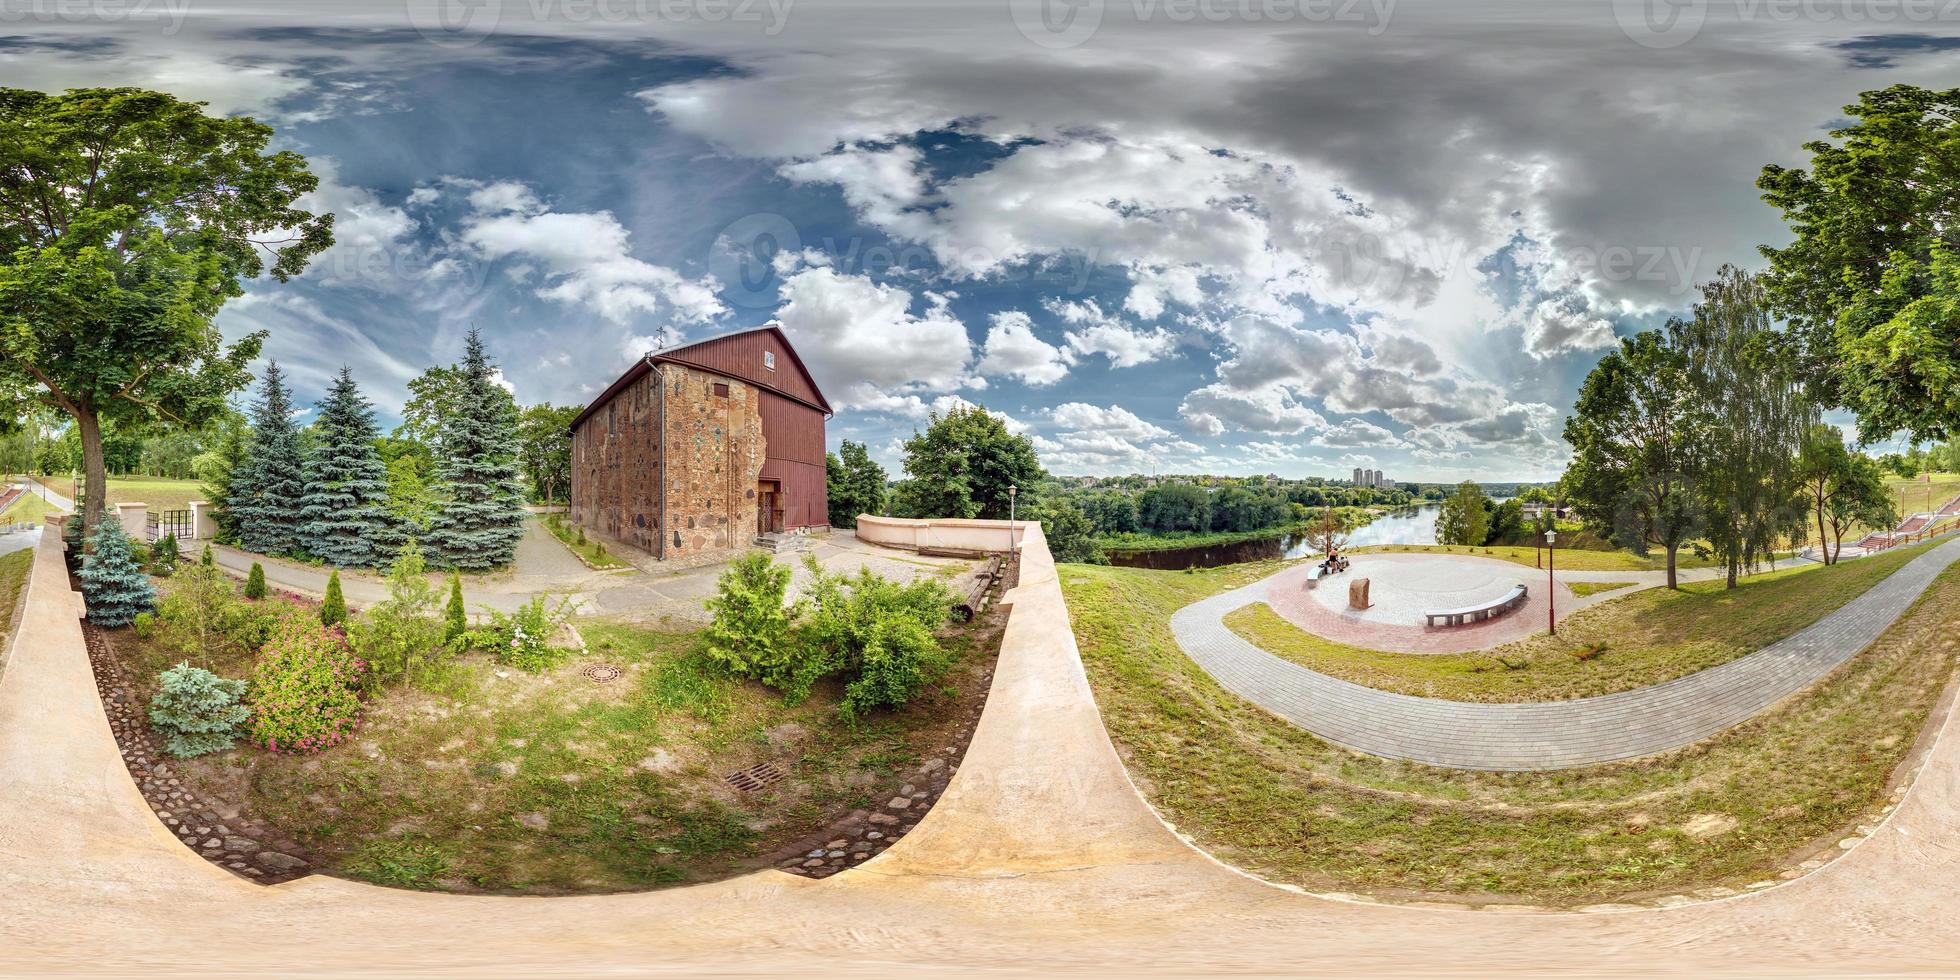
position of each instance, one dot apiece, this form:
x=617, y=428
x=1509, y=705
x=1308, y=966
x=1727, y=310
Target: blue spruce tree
x=346, y=521
x=267, y=488
x=113, y=585
x=478, y=514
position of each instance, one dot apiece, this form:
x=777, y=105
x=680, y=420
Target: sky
x=1228, y=236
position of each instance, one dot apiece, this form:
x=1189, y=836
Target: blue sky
x=1391, y=235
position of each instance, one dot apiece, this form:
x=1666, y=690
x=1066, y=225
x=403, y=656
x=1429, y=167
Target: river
x=1408, y=525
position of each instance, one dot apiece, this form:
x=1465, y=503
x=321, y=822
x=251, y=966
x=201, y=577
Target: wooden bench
x=1471, y=614
x=975, y=600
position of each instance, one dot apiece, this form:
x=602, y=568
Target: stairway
x=777, y=544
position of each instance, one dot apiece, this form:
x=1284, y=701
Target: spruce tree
x=254, y=582
x=333, y=610
x=478, y=515
x=113, y=585
x=265, y=497
x=345, y=511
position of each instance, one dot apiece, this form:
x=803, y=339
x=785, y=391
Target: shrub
x=197, y=711
x=523, y=639
x=333, y=611
x=113, y=583
x=877, y=633
x=753, y=634
x=145, y=625
x=197, y=609
x=398, y=635
x=302, y=692
x=208, y=560
x=71, y=535
x=254, y=580
x=455, y=619
x=163, y=558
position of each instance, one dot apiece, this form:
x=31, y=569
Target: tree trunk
x=95, y=476
x=1672, y=581
x=1735, y=566
x=1822, y=539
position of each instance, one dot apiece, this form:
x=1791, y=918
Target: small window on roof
x=769, y=359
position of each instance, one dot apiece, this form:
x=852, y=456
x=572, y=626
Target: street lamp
x=1011, y=491
x=1551, y=614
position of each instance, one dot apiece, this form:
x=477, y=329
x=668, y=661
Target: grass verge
x=1633, y=641
x=1273, y=799
x=13, y=578
x=593, y=553
x=1584, y=589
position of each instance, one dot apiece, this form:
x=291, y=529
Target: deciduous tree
x=962, y=465
x=127, y=219
x=855, y=484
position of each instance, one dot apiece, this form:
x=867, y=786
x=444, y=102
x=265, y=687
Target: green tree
x=434, y=398
x=1870, y=282
x=333, y=609
x=962, y=465
x=254, y=580
x=408, y=494
x=345, y=516
x=1841, y=487
x=545, y=439
x=479, y=503
x=1174, y=507
x=1745, y=461
x=113, y=585
x=267, y=491
x=216, y=466
x=1070, y=533
x=855, y=484
x=127, y=219
x=1633, y=434
x=1463, y=519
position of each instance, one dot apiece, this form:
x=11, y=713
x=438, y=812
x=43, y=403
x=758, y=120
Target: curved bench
x=1502, y=604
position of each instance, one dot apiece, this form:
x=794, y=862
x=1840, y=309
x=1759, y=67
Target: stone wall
x=713, y=453
x=669, y=466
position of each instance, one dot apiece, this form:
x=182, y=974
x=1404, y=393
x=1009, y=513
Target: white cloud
x=580, y=258
x=1013, y=349
x=1099, y=333
x=866, y=347
x=1113, y=420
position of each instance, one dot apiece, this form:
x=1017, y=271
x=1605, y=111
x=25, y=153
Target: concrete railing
x=958, y=535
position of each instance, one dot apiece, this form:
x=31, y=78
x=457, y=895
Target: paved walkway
x=1553, y=734
x=19, y=541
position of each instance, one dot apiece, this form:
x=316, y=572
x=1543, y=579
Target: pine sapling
x=254, y=581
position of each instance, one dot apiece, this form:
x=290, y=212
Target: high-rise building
x=1360, y=476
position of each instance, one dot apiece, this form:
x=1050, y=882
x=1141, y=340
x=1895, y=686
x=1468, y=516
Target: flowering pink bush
x=303, y=689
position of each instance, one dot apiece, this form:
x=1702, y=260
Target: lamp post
x=1551, y=588
x=1011, y=491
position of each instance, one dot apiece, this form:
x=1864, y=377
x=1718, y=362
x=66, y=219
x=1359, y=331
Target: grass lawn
x=1633, y=641
x=569, y=534
x=159, y=493
x=1273, y=799
x=1584, y=589
x=480, y=777
x=13, y=578
x=29, y=509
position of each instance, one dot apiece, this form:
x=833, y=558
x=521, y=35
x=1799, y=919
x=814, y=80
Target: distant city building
x=1369, y=478
x=1360, y=476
